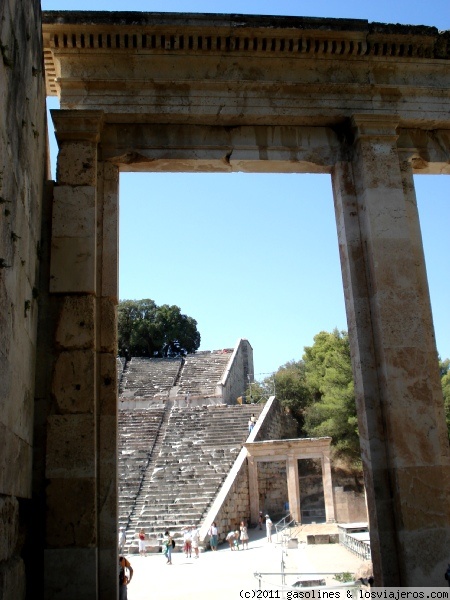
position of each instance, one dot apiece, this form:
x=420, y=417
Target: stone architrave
x=291, y=451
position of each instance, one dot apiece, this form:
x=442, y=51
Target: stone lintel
x=76, y=125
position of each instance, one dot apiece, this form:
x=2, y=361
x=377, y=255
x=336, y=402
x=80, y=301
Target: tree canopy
x=145, y=329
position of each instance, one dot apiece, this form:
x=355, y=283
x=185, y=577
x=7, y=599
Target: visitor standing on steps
x=142, y=542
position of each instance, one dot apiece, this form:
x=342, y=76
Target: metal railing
x=283, y=591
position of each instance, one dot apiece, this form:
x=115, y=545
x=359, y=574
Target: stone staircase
x=149, y=378
x=202, y=371
x=138, y=432
x=198, y=450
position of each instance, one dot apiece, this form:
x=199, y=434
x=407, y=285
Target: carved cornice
x=159, y=33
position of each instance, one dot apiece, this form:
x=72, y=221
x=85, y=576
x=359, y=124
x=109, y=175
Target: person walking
x=244, y=535
x=260, y=519
x=141, y=536
x=122, y=539
x=167, y=547
x=125, y=576
x=269, y=526
x=213, y=536
x=187, y=542
x=195, y=540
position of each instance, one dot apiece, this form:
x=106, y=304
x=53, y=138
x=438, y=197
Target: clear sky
x=256, y=256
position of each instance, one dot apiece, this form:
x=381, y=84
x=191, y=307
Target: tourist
x=195, y=540
x=167, y=547
x=142, y=542
x=244, y=535
x=213, y=536
x=260, y=519
x=122, y=539
x=231, y=539
x=125, y=575
x=447, y=574
x=269, y=525
x=187, y=542
x=253, y=420
x=250, y=425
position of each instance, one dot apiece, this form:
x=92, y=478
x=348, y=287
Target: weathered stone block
x=108, y=387
x=74, y=212
x=73, y=385
x=108, y=335
x=77, y=163
x=71, y=514
x=9, y=515
x=71, y=446
x=72, y=265
x=64, y=566
x=75, y=327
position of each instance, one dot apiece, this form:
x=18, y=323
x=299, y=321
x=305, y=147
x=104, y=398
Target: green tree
x=332, y=410
x=292, y=390
x=145, y=329
x=444, y=366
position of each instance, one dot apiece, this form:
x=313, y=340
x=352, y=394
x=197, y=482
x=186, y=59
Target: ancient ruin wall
x=238, y=374
x=22, y=170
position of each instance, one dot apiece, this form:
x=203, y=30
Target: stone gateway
x=366, y=103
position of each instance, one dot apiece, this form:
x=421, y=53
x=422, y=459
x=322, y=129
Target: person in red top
x=142, y=542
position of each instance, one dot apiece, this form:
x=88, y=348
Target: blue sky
x=256, y=255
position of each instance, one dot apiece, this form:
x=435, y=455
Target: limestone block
x=108, y=387
x=66, y=566
x=73, y=385
x=15, y=475
x=72, y=266
x=74, y=211
x=108, y=325
x=71, y=515
x=71, y=446
x=9, y=527
x=75, y=327
x=12, y=579
x=77, y=162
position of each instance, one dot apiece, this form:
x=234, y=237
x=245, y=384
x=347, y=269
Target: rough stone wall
x=272, y=485
x=350, y=506
x=278, y=425
x=235, y=380
x=23, y=144
x=236, y=507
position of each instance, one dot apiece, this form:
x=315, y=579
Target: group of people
x=191, y=540
x=235, y=537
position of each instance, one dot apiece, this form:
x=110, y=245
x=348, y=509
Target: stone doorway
x=151, y=92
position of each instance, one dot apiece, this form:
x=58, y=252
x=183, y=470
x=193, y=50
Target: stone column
x=293, y=486
x=74, y=427
x=400, y=408
x=327, y=488
x=107, y=299
x=253, y=488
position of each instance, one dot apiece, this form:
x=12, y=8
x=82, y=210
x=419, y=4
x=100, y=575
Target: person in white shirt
x=195, y=540
x=187, y=539
x=269, y=525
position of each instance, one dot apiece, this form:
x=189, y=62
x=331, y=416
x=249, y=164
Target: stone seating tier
x=198, y=450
